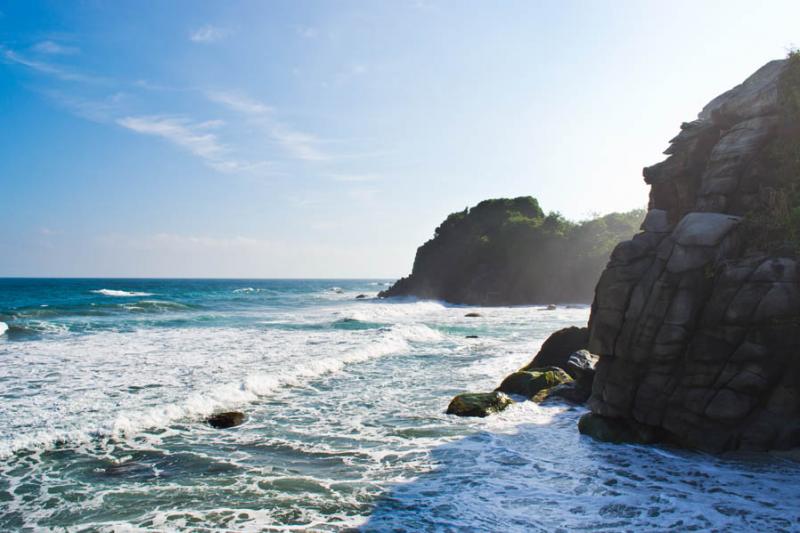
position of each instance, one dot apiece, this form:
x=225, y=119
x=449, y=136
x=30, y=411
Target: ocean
x=105, y=385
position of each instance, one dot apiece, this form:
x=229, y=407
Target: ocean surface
x=105, y=386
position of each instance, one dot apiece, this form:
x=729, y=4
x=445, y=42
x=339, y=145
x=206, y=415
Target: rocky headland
x=697, y=319
x=694, y=334
x=509, y=252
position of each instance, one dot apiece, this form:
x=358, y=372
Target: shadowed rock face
x=696, y=324
x=508, y=252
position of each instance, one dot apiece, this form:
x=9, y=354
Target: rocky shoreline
x=694, y=333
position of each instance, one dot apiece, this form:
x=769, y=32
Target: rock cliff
x=508, y=252
x=697, y=319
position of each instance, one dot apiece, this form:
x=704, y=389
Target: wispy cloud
x=54, y=48
x=95, y=110
x=297, y=144
x=208, y=34
x=49, y=69
x=239, y=103
x=191, y=136
x=307, y=32
x=355, y=178
x=180, y=131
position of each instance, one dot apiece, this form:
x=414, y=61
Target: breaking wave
x=120, y=294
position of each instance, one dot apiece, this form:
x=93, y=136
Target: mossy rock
x=478, y=403
x=570, y=392
x=617, y=430
x=530, y=382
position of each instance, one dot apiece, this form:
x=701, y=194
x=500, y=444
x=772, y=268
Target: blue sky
x=328, y=139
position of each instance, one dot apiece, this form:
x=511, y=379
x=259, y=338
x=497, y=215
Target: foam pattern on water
x=346, y=427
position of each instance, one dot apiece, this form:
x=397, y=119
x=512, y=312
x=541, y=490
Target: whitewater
x=106, y=385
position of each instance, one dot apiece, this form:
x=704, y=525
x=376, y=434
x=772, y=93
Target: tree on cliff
x=508, y=251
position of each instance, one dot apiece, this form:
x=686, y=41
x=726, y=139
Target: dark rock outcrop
x=558, y=348
x=226, y=420
x=478, y=403
x=618, y=430
x=697, y=318
x=508, y=252
x=570, y=376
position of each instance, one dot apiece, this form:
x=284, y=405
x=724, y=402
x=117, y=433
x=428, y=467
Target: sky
x=329, y=138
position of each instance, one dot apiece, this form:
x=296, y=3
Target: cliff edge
x=697, y=319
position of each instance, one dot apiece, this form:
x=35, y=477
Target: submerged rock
x=226, y=420
x=361, y=296
x=617, y=430
x=529, y=383
x=478, y=403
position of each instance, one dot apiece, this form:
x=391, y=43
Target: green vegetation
x=508, y=251
x=775, y=226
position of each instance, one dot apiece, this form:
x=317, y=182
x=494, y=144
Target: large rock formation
x=508, y=252
x=697, y=319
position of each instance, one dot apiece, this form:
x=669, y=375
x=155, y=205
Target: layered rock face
x=697, y=319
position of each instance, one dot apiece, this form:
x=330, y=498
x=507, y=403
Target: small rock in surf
x=478, y=403
x=226, y=420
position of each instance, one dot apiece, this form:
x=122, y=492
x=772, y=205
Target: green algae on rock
x=478, y=403
x=529, y=382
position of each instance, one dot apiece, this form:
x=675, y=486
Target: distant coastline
x=509, y=252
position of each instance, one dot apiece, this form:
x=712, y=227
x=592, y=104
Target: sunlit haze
x=329, y=139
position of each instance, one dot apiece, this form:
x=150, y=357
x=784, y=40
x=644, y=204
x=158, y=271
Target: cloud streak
x=48, y=68
x=296, y=144
x=53, y=48
x=208, y=34
x=193, y=137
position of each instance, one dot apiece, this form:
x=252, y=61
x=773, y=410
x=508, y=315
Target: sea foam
x=112, y=292
x=3, y=328
x=200, y=397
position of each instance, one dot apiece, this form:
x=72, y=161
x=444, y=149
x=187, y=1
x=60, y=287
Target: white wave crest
x=3, y=328
x=246, y=290
x=255, y=386
x=226, y=396
x=111, y=292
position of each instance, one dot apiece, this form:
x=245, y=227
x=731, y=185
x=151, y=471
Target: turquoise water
x=105, y=385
